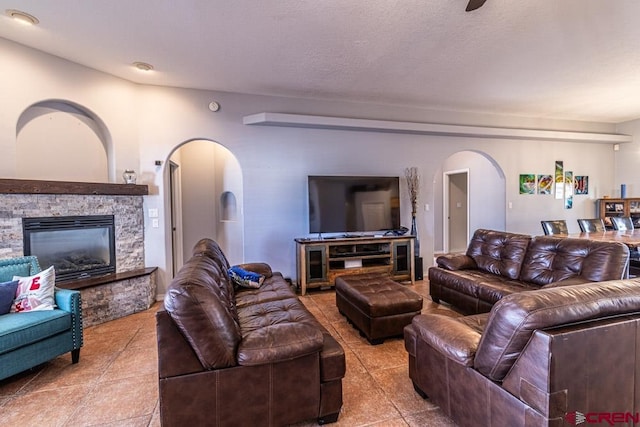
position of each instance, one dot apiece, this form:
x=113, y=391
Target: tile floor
x=115, y=383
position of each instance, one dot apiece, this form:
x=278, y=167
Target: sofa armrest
x=258, y=267
x=453, y=339
x=456, y=262
x=70, y=301
x=277, y=343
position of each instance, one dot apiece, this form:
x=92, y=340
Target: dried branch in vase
x=413, y=184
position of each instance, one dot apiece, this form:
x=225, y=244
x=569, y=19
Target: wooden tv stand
x=320, y=260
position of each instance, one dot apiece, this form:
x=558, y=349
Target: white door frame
x=446, y=181
x=175, y=218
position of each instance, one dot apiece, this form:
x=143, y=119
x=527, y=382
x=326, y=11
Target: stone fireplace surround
x=133, y=287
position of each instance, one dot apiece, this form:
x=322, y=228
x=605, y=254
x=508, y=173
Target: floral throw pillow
x=35, y=292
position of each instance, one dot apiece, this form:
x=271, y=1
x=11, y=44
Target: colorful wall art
x=559, y=174
x=581, y=184
x=568, y=190
x=528, y=183
x=545, y=184
x=567, y=185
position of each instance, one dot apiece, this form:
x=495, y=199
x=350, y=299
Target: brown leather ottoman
x=376, y=305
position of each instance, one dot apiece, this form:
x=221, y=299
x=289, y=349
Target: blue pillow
x=244, y=278
x=7, y=295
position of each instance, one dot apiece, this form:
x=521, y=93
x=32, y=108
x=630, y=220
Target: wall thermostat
x=214, y=106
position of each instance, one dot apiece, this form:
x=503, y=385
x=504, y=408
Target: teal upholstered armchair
x=31, y=338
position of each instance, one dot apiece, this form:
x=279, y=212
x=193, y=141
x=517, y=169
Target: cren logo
x=575, y=418
x=610, y=418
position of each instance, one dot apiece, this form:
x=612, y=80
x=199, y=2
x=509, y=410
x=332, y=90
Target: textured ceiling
x=568, y=59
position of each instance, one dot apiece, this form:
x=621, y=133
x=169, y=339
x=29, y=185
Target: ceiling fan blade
x=474, y=4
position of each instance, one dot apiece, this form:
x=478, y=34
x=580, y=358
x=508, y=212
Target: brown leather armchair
x=535, y=359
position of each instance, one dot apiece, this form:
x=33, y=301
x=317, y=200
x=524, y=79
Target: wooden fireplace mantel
x=28, y=186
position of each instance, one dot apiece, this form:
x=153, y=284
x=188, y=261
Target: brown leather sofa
x=239, y=356
x=499, y=263
x=538, y=358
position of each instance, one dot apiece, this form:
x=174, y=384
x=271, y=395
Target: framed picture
x=581, y=184
x=568, y=194
x=559, y=179
x=545, y=184
x=528, y=183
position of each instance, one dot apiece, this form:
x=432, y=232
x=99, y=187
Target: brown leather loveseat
x=499, y=263
x=241, y=356
x=539, y=358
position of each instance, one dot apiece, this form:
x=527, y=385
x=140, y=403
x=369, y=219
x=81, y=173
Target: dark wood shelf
x=109, y=278
x=28, y=186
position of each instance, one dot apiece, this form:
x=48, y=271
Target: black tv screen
x=353, y=204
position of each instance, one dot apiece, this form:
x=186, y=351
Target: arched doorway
x=473, y=183
x=205, y=199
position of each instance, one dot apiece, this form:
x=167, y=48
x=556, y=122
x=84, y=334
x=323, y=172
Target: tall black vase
x=414, y=232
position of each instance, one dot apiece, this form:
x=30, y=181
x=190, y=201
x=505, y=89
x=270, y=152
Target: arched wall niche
x=228, y=206
x=63, y=141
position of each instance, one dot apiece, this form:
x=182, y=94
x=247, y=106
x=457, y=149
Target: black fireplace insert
x=79, y=247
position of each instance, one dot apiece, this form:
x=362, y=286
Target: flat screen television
x=353, y=204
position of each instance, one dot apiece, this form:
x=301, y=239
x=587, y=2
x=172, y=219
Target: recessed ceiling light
x=22, y=17
x=143, y=66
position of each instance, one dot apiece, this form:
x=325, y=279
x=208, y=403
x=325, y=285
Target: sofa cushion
x=261, y=315
x=205, y=271
x=7, y=295
x=209, y=248
x=35, y=292
x=514, y=318
x=21, y=329
x=552, y=259
x=274, y=288
x=277, y=343
x=498, y=252
x=206, y=322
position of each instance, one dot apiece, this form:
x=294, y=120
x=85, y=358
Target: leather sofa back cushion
x=200, y=301
x=209, y=248
x=205, y=323
x=498, y=252
x=551, y=259
x=513, y=319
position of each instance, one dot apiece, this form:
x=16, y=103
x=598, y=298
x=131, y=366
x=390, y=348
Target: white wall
x=146, y=123
x=199, y=213
x=487, y=192
x=627, y=160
